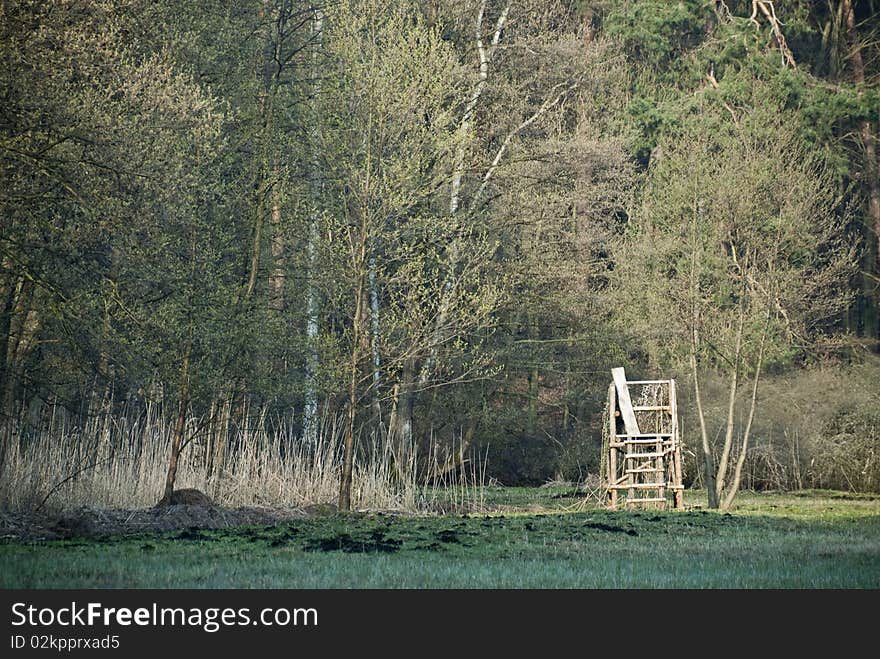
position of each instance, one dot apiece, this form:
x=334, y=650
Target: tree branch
x=714, y=82
x=545, y=107
x=485, y=56
x=769, y=12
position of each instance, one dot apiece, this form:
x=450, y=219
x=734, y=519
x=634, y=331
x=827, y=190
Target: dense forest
x=242, y=240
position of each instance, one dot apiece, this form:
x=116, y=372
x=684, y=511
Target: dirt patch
x=599, y=526
x=376, y=542
x=192, y=533
x=448, y=536
x=97, y=523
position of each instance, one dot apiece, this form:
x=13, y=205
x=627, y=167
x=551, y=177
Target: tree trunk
x=464, y=127
x=534, y=383
x=310, y=405
x=344, y=503
x=354, y=370
x=708, y=460
x=403, y=425
x=9, y=345
x=743, y=449
x=104, y=366
x=457, y=459
x=9, y=293
x=869, y=142
x=277, y=276
x=177, y=439
x=23, y=326
x=20, y=324
x=374, y=340
x=731, y=401
x=211, y=438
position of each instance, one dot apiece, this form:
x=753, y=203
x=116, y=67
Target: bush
x=814, y=428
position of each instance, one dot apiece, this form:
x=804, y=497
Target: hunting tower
x=642, y=449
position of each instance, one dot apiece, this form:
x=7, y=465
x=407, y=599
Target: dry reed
x=121, y=461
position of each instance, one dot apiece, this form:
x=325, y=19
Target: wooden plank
x=640, y=486
x=677, y=486
x=612, y=452
x=642, y=440
x=659, y=463
x=624, y=403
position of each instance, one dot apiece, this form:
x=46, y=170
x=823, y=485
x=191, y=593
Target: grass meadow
x=528, y=538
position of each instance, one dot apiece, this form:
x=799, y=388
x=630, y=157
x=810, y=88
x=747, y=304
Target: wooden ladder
x=644, y=469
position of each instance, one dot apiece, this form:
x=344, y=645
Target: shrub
x=816, y=427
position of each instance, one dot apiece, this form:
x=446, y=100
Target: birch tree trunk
x=556, y=94
x=464, y=128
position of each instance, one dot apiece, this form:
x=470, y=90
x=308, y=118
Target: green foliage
x=658, y=33
x=736, y=217
x=110, y=214
x=675, y=45
x=266, y=187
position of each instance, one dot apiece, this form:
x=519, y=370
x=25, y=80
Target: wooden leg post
x=612, y=452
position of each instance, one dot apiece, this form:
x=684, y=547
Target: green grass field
x=539, y=540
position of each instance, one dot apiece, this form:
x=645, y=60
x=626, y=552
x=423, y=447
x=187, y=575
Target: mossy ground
x=535, y=538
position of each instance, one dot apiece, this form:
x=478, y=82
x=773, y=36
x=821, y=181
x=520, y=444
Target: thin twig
x=58, y=485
